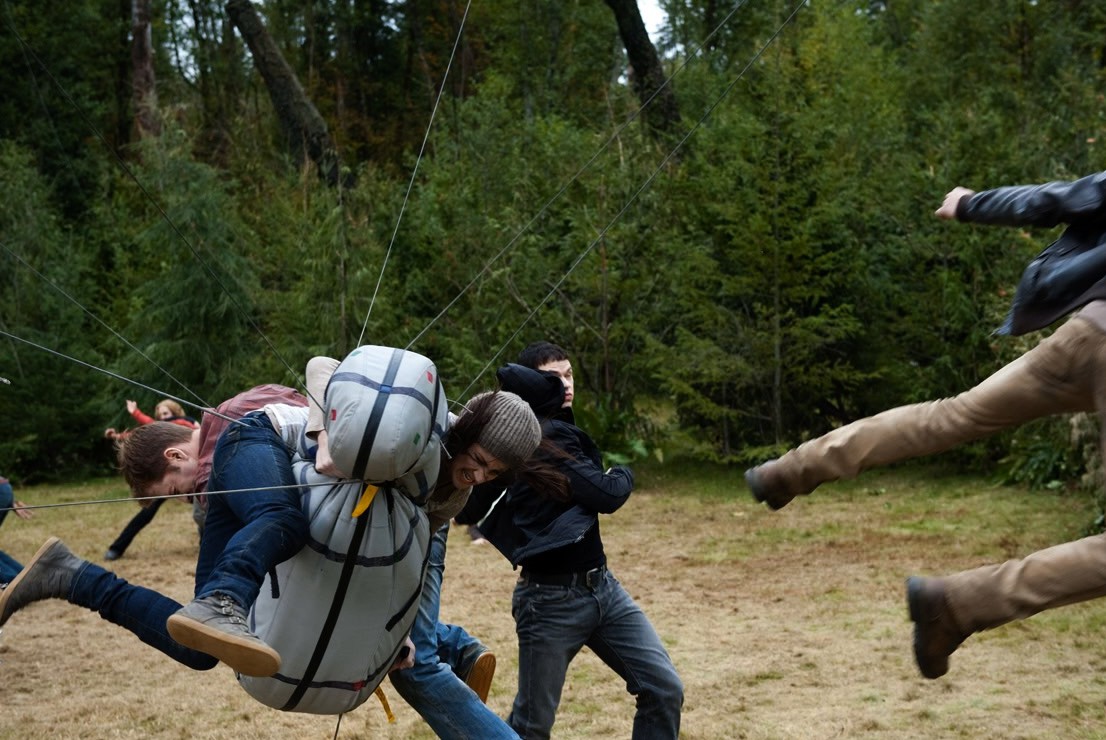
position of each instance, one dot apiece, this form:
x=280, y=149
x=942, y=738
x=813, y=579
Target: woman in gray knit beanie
x=497, y=433
x=513, y=432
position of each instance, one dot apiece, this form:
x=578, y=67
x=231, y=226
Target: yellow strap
x=384, y=703
x=366, y=499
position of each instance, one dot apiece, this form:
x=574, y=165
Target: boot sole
x=14, y=585
x=248, y=657
x=913, y=597
x=480, y=677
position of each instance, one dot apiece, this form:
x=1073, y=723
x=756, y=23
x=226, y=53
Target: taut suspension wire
x=149, y=196
x=64, y=504
x=117, y=376
x=584, y=168
x=414, y=171
x=648, y=181
x=123, y=339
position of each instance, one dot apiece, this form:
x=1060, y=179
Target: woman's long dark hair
x=535, y=472
x=543, y=477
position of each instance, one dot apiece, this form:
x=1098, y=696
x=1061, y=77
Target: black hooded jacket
x=1071, y=271
x=538, y=532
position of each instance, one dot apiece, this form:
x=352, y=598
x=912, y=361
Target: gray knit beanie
x=512, y=432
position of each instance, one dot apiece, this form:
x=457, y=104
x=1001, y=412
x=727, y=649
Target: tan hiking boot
x=216, y=625
x=48, y=575
x=480, y=676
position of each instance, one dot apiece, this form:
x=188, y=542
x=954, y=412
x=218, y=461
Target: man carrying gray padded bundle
x=244, y=444
x=263, y=526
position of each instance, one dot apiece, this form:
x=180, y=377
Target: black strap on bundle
x=327, y=632
x=372, y=425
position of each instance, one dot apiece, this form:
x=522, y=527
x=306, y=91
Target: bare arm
x=323, y=462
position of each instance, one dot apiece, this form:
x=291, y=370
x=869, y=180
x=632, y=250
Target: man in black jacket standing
x=1064, y=373
x=566, y=597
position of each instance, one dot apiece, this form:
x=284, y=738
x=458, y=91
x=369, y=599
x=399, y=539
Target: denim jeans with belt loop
x=259, y=522
x=554, y=622
x=432, y=686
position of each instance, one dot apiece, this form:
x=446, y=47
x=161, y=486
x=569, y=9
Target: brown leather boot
x=947, y=610
x=480, y=675
x=936, y=636
x=767, y=486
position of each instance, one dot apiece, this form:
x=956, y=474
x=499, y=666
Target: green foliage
x=185, y=271
x=1037, y=461
x=781, y=276
x=554, y=59
x=76, y=44
x=621, y=435
x=1059, y=454
x=47, y=400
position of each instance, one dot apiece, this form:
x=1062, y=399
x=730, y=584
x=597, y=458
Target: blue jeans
x=245, y=535
x=248, y=534
x=9, y=566
x=554, y=622
x=457, y=648
x=432, y=687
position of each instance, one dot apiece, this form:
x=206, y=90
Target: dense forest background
x=200, y=196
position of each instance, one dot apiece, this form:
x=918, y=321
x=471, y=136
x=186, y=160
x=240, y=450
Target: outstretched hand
x=21, y=510
x=131, y=406
x=947, y=211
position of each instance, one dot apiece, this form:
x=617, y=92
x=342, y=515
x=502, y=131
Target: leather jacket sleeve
x=1038, y=205
x=602, y=492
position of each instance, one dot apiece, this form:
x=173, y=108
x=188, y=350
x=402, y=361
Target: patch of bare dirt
x=783, y=625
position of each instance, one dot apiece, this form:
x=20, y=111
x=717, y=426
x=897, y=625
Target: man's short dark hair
x=540, y=353
x=141, y=454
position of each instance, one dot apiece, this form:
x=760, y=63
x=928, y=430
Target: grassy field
x=787, y=624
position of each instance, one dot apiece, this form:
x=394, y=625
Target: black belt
x=588, y=578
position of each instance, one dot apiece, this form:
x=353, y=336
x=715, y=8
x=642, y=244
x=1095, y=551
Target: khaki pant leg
x=1059, y=375
x=992, y=595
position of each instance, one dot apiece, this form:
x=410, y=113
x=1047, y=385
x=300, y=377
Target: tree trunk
x=646, y=73
x=142, y=71
x=304, y=128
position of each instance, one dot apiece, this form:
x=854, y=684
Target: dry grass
x=782, y=625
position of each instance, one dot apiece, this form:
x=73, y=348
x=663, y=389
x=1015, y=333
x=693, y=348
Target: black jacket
x=527, y=526
x=1071, y=271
